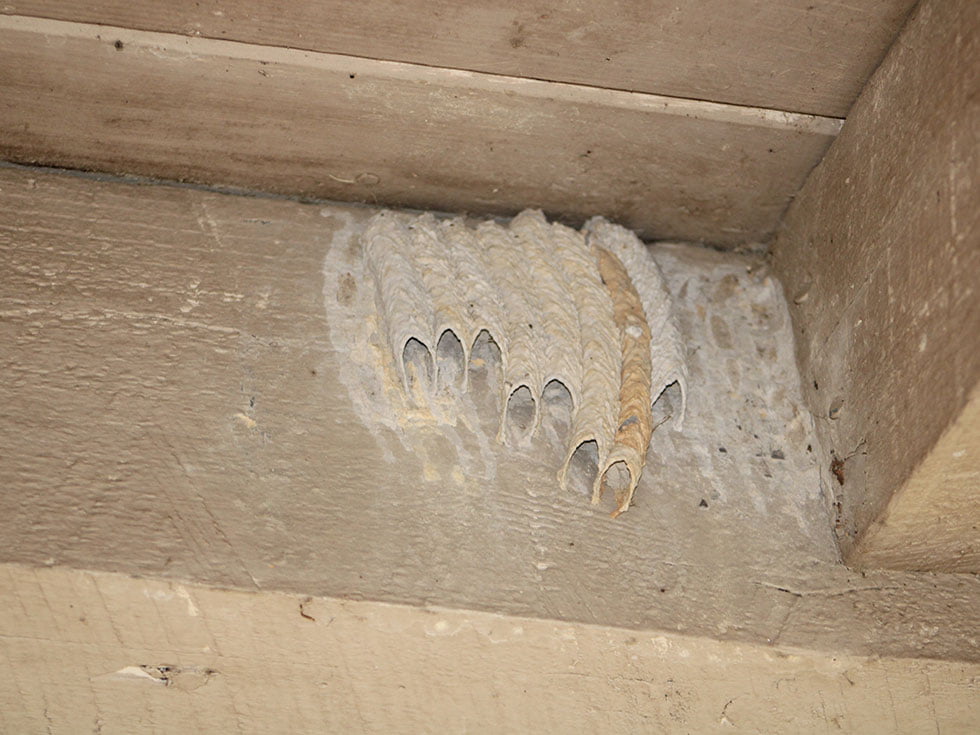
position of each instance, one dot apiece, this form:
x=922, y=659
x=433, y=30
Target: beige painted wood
x=176, y=402
x=320, y=125
x=808, y=56
x=880, y=254
x=933, y=521
x=97, y=652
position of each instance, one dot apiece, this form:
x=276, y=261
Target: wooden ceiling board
x=809, y=56
x=353, y=129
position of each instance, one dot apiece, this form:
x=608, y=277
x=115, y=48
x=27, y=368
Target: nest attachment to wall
x=587, y=310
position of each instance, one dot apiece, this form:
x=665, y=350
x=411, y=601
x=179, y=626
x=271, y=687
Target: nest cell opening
x=619, y=479
x=485, y=372
x=520, y=415
x=668, y=404
x=418, y=368
x=557, y=409
x=581, y=468
x=450, y=363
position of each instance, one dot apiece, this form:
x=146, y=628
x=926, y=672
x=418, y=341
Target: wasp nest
x=587, y=309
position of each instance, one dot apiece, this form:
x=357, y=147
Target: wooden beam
x=933, y=521
x=90, y=651
x=799, y=55
x=324, y=125
x=880, y=254
x=185, y=396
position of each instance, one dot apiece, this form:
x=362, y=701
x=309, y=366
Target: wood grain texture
x=98, y=652
x=176, y=403
x=316, y=125
x=933, y=521
x=880, y=254
x=808, y=56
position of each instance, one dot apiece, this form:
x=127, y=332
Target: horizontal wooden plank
x=329, y=126
x=96, y=652
x=184, y=395
x=800, y=55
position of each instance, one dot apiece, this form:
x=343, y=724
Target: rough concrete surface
x=174, y=405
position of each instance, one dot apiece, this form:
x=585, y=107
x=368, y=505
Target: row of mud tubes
x=572, y=323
